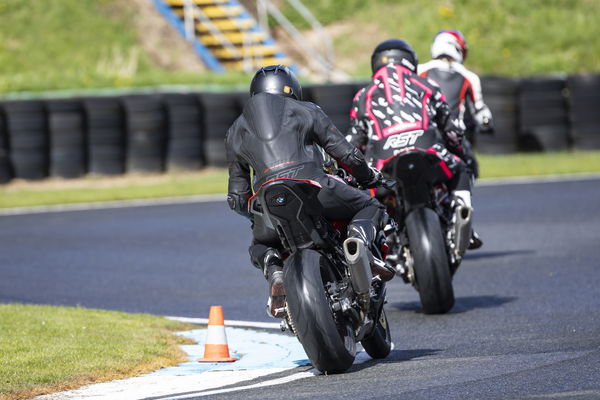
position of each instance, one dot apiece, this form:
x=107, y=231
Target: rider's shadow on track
x=461, y=304
x=494, y=254
x=395, y=356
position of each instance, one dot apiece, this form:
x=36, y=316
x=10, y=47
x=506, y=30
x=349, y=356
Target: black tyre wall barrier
x=145, y=122
x=66, y=131
x=27, y=130
x=242, y=97
x=543, y=116
x=105, y=135
x=500, y=94
x=185, y=147
x=359, y=85
x=335, y=100
x=584, y=111
x=151, y=133
x=6, y=173
x=220, y=110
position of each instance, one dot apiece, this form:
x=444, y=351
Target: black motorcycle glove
x=239, y=204
x=375, y=179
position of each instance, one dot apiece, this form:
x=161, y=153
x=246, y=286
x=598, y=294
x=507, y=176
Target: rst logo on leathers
x=402, y=139
x=289, y=173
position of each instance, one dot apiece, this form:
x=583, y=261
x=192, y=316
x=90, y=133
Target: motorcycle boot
x=365, y=230
x=475, y=241
x=273, y=271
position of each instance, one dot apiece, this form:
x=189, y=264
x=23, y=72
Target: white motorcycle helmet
x=450, y=44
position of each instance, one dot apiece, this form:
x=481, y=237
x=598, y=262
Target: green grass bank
x=46, y=349
x=505, y=37
x=83, y=44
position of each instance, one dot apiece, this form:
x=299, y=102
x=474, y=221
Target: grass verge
x=537, y=164
x=47, y=349
x=127, y=187
x=212, y=180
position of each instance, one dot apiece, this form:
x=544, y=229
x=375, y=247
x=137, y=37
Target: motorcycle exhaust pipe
x=462, y=228
x=360, y=268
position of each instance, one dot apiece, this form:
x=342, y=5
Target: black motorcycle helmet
x=394, y=51
x=276, y=79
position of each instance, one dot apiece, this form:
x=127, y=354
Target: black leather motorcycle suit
x=276, y=137
x=396, y=108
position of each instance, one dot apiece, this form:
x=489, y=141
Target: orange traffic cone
x=215, y=348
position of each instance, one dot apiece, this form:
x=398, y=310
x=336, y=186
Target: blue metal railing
x=201, y=50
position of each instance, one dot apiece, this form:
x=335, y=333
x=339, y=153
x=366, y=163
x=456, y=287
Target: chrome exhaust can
x=462, y=227
x=360, y=268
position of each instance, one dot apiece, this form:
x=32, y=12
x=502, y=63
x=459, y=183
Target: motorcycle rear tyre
x=432, y=270
x=330, y=346
x=379, y=343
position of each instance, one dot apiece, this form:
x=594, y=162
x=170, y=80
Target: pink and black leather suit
x=397, y=107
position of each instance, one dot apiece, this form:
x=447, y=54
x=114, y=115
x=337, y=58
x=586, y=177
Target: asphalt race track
x=526, y=323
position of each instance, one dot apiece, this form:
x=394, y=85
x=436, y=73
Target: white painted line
x=259, y=354
x=114, y=204
x=147, y=386
x=279, y=381
x=228, y=322
x=591, y=394
x=361, y=357
x=537, y=179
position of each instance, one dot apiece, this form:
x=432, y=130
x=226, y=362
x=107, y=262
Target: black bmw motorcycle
x=333, y=301
x=435, y=228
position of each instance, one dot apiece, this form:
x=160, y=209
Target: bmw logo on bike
x=279, y=199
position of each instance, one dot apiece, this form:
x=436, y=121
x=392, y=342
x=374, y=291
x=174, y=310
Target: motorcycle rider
x=397, y=102
x=461, y=87
x=276, y=137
